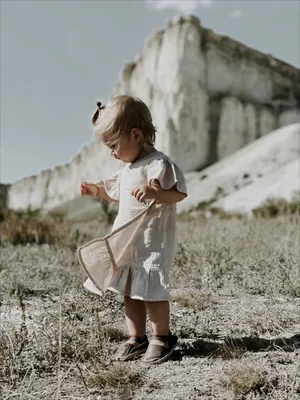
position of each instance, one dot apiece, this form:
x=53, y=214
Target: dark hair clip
x=100, y=106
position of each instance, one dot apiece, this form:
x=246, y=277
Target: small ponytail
x=96, y=115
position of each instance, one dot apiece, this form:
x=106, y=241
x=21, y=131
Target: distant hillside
x=268, y=168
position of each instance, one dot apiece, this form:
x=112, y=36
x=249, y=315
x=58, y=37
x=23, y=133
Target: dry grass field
x=236, y=310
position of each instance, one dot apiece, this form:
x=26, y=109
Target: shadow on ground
x=235, y=347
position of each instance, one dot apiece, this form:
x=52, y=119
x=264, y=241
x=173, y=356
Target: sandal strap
x=158, y=342
x=137, y=340
x=163, y=338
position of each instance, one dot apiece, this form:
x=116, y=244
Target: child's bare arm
x=101, y=194
x=167, y=196
x=90, y=189
x=155, y=191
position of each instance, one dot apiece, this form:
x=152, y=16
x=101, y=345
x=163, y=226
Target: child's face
x=127, y=149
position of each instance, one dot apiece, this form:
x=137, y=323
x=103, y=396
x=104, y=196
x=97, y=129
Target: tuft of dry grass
x=114, y=334
x=10, y=343
x=243, y=377
x=23, y=228
x=195, y=299
x=119, y=377
x=229, y=350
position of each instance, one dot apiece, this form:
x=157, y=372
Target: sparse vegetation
x=194, y=299
x=270, y=208
x=273, y=208
x=124, y=380
x=236, y=309
x=28, y=227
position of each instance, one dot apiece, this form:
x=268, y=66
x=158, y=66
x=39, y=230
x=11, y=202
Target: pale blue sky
x=59, y=56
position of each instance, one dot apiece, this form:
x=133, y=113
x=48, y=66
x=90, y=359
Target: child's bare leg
x=136, y=345
x=135, y=315
x=159, y=314
x=163, y=342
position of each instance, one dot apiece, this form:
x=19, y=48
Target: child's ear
x=137, y=135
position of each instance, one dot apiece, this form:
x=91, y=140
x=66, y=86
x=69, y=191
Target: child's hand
x=143, y=192
x=88, y=189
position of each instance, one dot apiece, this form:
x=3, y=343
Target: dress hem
x=136, y=297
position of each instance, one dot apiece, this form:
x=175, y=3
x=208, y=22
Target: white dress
x=145, y=268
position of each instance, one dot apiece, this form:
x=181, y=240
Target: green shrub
x=225, y=214
x=275, y=207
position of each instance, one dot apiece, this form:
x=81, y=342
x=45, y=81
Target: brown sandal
x=160, y=349
x=132, y=349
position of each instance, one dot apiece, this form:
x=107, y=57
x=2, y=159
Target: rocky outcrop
x=209, y=96
x=268, y=168
x=53, y=187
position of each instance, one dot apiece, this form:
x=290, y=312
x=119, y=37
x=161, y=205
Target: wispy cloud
x=205, y=3
x=184, y=6
x=236, y=14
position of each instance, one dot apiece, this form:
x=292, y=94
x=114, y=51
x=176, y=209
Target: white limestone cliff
x=209, y=96
x=268, y=168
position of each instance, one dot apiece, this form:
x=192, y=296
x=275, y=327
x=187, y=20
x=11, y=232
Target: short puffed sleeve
x=167, y=173
x=112, y=185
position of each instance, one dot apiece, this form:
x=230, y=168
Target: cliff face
x=53, y=187
x=268, y=168
x=209, y=96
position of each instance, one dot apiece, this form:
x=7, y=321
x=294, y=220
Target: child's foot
x=132, y=349
x=160, y=349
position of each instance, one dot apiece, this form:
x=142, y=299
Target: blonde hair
x=119, y=116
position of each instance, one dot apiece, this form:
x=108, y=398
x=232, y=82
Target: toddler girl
x=125, y=126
